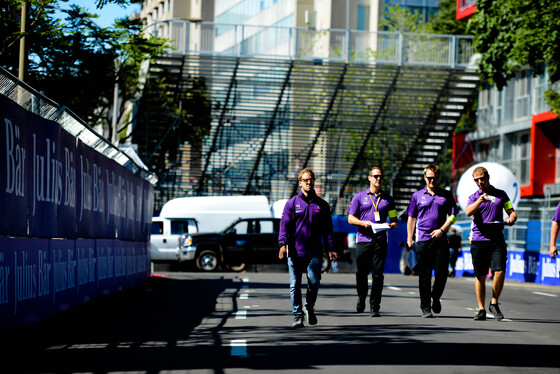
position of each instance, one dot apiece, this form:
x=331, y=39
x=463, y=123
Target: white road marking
x=241, y=314
x=245, y=280
x=244, y=296
x=393, y=288
x=238, y=348
x=544, y=294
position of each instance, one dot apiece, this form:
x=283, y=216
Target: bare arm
x=554, y=231
x=410, y=226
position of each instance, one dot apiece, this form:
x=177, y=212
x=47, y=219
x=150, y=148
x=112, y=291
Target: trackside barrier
x=74, y=223
x=521, y=266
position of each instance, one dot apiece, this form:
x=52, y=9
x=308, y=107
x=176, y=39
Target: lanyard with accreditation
x=376, y=212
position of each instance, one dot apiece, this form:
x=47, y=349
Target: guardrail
x=314, y=44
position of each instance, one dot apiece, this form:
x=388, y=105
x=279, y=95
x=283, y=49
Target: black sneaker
x=375, y=311
x=495, y=310
x=360, y=306
x=310, y=316
x=427, y=313
x=481, y=315
x=436, y=306
x=298, y=322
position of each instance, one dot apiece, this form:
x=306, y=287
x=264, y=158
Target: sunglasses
x=377, y=176
x=308, y=180
x=431, y=179
x=476, y=180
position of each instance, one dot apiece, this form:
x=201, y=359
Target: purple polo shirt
x=363, y=208
x=484, y=226
x=431, y=211
x=557, y=214
x=305, y=226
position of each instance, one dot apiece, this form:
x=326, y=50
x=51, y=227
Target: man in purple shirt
x=431, y=211
x=488, y=246
x=305, y=228
x=370, y=210
x=554, y=231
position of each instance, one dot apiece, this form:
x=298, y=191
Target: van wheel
x=237, y=267
x=207, y=261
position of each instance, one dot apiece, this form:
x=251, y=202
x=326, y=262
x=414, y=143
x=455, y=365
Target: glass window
x=266, y=227
x=241, y=228
x=363, y=17
x=522, y=87
x=179, y=227
x=157, y=228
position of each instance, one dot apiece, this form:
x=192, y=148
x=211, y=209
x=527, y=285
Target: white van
x=215, y=213
x=165, y=236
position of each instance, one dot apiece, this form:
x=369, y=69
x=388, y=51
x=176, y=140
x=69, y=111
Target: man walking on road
x=373, y=207
x=305, y=225
x=554, y=231
x=488, y=246
x=431, y=211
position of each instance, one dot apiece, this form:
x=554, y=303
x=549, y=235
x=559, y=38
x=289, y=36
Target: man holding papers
x=488, y=247
x=433, y=209
x=370, y=210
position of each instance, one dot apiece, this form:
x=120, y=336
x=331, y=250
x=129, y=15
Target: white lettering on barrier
x=15, y=160
x=69, y=179
x=44, y=275
x=25, y=279
x=4, y=280
x=549, y=268
x=112, y=194
x=86, y=186
x=517, y=264
x=47, y=175
x=97, y=189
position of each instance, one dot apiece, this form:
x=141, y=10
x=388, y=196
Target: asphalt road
x=238, y=323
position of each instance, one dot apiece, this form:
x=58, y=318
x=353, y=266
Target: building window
x=363, y=17
x=522, y=97
x=558, y=165
x=517, y=155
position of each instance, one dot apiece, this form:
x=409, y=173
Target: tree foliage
x=398, y=19
x=74, y=61
x=512, y=35
x=445, y=20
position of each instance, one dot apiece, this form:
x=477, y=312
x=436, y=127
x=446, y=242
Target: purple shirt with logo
x=488, y=221
x=431, y=211
x=362, y=207
x=305, y=225
x=557, y=214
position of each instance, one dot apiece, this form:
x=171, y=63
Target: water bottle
x=334, y=266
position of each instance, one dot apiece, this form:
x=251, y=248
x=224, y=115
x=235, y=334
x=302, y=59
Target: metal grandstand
x=338, y=101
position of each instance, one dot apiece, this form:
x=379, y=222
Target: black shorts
x=488, y=255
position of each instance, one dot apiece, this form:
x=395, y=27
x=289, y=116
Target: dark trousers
x=370, y=257
x=432, y=255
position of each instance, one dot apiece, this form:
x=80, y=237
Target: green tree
x=74, y=61
x=445, y=20
x=399, y=19
x=512, y=35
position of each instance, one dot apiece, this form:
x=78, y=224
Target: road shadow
x=147, y=329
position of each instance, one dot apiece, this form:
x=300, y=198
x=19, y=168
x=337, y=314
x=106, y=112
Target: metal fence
x=35, y=102
x=533, y=215
x=309, y=43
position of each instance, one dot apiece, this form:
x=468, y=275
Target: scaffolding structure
x=338, y=110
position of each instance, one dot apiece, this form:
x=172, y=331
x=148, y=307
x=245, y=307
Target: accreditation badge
x=376, y=216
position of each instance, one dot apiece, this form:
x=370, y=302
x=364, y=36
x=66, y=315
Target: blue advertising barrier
x=75, y=224
x=521, y=266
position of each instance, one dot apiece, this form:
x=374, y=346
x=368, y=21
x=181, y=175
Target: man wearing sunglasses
x=370, y=210
x=488, y=246
x=305, y=225
x=431, y=212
